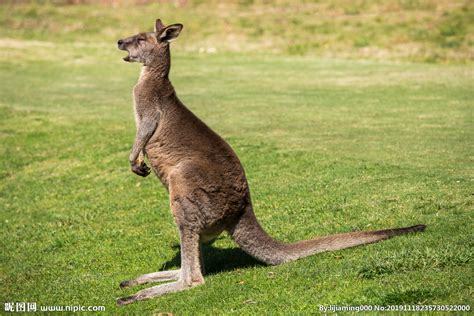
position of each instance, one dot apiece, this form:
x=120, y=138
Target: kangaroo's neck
x=157, y=75
x=154, y=81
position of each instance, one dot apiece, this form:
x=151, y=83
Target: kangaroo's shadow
x=218, y=260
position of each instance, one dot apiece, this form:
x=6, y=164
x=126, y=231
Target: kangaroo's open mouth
x=129, y=58
x=122, y=45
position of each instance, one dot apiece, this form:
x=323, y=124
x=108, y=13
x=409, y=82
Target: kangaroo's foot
x=161, y=276
x=158, y=290
x=187, y=277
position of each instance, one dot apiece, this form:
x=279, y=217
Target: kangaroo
x=207, y=186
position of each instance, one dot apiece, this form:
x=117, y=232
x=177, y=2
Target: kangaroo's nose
x=120, y=42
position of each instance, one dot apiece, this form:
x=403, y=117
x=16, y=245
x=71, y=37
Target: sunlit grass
x=328, y=145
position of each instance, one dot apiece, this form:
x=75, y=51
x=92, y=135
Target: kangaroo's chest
x=140, y=102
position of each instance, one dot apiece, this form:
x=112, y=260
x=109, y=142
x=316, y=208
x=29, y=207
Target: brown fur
x=206, y=182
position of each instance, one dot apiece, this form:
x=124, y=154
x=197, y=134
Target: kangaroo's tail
x=251, y=237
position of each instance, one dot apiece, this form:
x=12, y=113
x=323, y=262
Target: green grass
x=329, y=146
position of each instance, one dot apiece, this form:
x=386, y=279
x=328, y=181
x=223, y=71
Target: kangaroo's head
x=150, y=48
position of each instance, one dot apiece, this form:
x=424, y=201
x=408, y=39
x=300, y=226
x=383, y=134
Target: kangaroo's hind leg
x=161, y=276
x=190, y=273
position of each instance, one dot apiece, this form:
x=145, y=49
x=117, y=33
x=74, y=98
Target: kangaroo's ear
x=159, y=26
x=170, y=32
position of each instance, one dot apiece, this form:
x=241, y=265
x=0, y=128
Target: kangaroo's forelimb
x=145, y=129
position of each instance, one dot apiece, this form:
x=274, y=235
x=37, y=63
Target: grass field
x=329, y=145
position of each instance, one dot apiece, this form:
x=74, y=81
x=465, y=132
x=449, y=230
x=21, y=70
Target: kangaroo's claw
x=141, y=169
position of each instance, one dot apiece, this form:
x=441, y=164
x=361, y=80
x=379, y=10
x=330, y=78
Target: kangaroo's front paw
x=140, y=168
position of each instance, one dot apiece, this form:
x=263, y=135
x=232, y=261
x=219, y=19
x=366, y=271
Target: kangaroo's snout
x=121, y=44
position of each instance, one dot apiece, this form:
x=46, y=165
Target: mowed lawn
x=329, y=146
